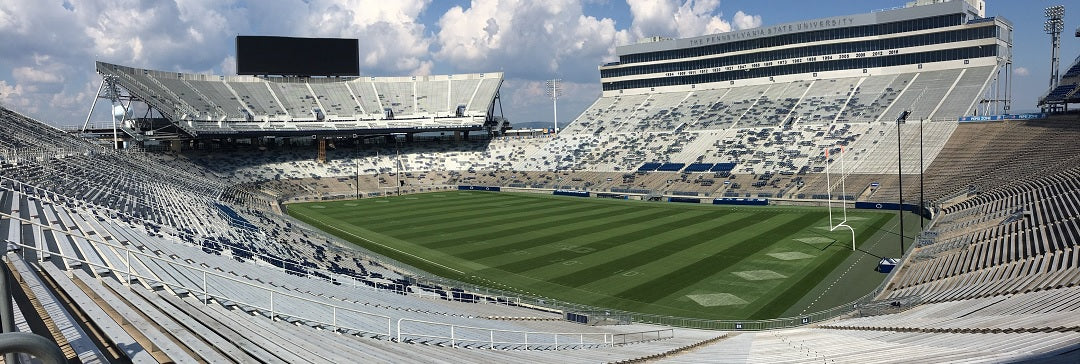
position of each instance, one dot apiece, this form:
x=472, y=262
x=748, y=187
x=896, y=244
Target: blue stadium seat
x=722, y=167
x=698, y=167
x=649, y=167
x=671, y=167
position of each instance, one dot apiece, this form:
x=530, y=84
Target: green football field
x=688, y=260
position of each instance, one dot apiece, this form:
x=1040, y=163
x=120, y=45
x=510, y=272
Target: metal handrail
x=454, y=339
x=38, y=346
x=641, y=336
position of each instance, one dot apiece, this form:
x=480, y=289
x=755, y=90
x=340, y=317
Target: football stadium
x=843, y=189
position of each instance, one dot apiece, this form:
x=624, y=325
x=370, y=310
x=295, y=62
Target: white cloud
x=675, y=18
x=12, y=96
x=745, y=21
x=531, y=39
x=34, y=75
x=1021, y=71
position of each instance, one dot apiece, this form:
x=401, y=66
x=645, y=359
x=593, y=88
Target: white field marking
x=717, y=299
x=790, y=255
x=814, y=240
x=389, y=247
x=759, y=275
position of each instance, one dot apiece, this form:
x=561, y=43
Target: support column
x=322, y=150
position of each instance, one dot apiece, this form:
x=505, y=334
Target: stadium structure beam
x=93, y=105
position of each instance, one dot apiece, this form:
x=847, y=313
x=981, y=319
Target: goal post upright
x=843, y=193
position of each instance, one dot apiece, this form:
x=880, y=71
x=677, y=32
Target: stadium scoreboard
x=289, y=56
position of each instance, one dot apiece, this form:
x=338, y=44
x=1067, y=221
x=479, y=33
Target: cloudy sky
x=47, y=47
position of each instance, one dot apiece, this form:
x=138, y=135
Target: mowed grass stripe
x=464, y=243
x=554, y=234
x=449, y=228
x=374, y=207
x=578, y=279
x=616, y=282
x=405, y=219
x=508, y=233
x=379, y=215
x=597, y=242
x=690, y=274
x=661, y=234
x=530, y=242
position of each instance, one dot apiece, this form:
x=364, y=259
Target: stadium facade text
x=774, y=30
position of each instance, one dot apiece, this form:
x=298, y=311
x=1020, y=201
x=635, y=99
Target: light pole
x=356, y=140
x=1055, y=24
x=554, y=90
x=900, y=175
x=397, y=166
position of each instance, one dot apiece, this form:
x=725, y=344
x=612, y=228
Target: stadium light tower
x=1055, y=24
x=900, y=174
x=554, y=90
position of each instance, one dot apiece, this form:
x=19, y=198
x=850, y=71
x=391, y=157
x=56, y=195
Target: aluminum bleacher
x=238, y=104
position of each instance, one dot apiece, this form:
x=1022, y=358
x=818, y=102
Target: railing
x=622, y=339
x=461, y=334
x=24, y=342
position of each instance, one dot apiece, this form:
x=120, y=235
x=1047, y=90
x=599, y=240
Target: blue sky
x=47, y=47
